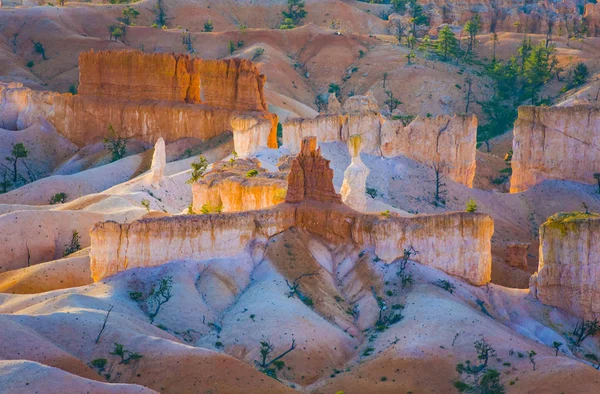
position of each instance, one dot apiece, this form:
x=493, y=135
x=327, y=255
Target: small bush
x=30, y=63
x=444, y=284
x=471, y=205
x=74, y=246
x=58, y=198
x=252, y=173
x=198, y=170
x=146, y=204
x=371, y=192
x=258, y=53
x=208, y=26
x=385, y=214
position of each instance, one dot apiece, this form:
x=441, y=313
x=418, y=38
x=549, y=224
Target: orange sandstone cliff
x=147, y=96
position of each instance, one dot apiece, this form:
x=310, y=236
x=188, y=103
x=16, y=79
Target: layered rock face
x=515, y=254
x=555, y=143
x=458, y=243
x=233, y=84
x=355, y=178
x=159, y=161
x=568, y=274
x=451, y=140
x=503, y=15
x=231, y=187
x=147, y=96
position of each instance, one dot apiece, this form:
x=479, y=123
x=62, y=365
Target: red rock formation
x=310, y=176
x=515, y=254
x=147, y=96
x=234, y=84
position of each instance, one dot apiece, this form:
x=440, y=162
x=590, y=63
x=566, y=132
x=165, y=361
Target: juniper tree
x=18, y=152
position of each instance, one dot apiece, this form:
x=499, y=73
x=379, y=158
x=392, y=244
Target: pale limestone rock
x=451, y=140
x=361, y=104
x=568, y=274
x=250, y=135
x=448, y=139
x=355, y=178
x=555, y=143
x=159, y=161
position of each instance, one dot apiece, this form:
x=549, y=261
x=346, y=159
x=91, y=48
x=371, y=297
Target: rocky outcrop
x=147, y=96
x=355, y=178
x=235, y=187
x=555, y=143
x=233, y=84
x=568, y=274
x=451, y=140
x=591, y=16
x=500, y=16
x=515, y=254
x=310, y=177
x=458, y=243
x=251, y=134
x=159, y=162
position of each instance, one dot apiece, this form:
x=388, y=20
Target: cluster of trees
x=293, y=14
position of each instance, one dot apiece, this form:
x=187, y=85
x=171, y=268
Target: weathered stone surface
x=459, y=243
x=228, y=188
x=159, y=161
x=359, y=104
x=568, y=274
x=355, y=178
x=233, y=84
x=451, y=140
x=448, y=139
x=499, y=16
x=251, y=134
x=333, y=104
x=152, y=242
x=147, y=96
x=515, y=254
x=310, y=177
x=555, y=143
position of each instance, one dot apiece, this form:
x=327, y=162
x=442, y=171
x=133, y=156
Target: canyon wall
x=503, y=15
x=147, y=96
x=457, y=243
x=234, y=84
x=228, y=188
x=450, y=140
x=555, y=143
x=568, y=274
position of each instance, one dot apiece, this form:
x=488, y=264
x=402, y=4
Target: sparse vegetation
x=208, y=26
x=266, y=348
x=252, y=173
x=198, y=169
x=115, y=144
x=446, y=285
x=258, y=52
x=58, y=198
x=406, y=278
x=371, y=192
x=146, y=204
x=74, y=245
x=18, y=152
x=38, y=47
x=125, y=355
x=584, y=329
x=293, y=15
x=295, y=289
x=160, y=293
x=439, y=182
x=471, y=206
x=556, y=345
x=489, y=381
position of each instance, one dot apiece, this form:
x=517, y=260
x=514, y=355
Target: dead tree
x=440, y=185
x=104, y=324
x=469, y=83
x=295, y=291
x=266, y=348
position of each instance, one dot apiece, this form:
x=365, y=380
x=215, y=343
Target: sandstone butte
x=454, y=137
x=147, y=96
x=234, y=187
x=555, y=143
x=568, y=274
x=457, y=243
